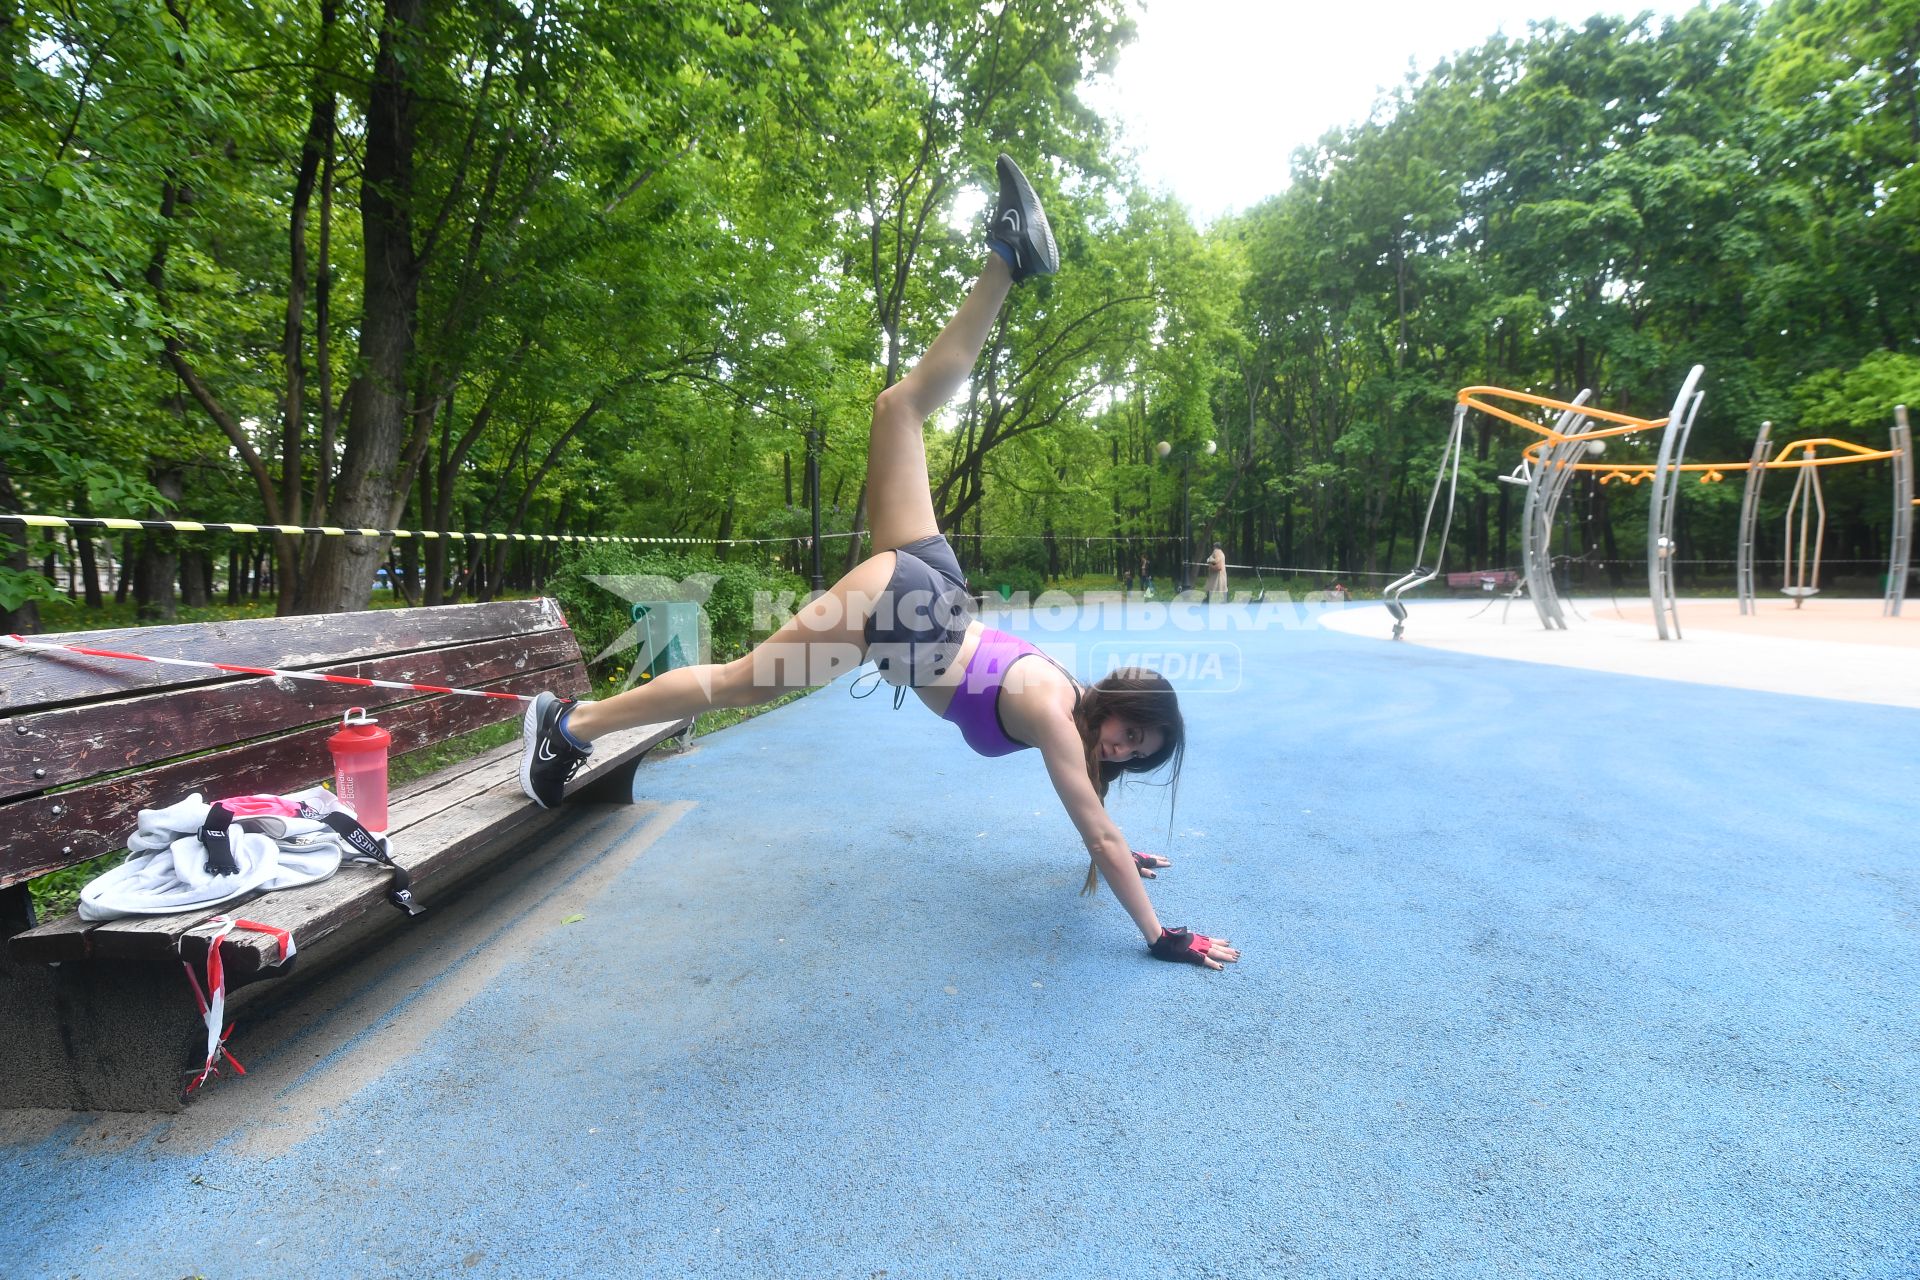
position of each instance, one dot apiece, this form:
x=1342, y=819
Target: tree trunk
x=1477, y=527
x=323, y=318
x=293, y=406
x=856, y=545
x=159, y=562
x=153, y=572
x=378, y=418
x=452, y=460
x=89, y=567
x=196, y=579
x=1286, y=530
x=409, y=570
x=123, y=582
x=1500, y=550
x=1393, y=524
x=1615, y=575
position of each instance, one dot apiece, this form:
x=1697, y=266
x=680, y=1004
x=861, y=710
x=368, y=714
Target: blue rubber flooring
x=1547, y=973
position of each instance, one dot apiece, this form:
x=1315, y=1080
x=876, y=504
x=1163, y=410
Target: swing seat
x=1799, y=593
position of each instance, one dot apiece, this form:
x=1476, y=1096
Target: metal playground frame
x=1580, y=433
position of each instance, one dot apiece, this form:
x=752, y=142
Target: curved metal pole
x=1663, y=500
x=1673, y=507
x=1544, y=486
x=1750, y=519
x=1902, y=515
x=1819, y=534
x=1795, y=584
x=1420, y=575
x=1527, y=476
x=1534, y=533
x=1570, y=452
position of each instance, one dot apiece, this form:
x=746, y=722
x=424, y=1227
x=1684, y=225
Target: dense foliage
x=562, y=266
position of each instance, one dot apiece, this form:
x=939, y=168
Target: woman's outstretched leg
x=899, y=497
x=823, y=641
x=899, y=501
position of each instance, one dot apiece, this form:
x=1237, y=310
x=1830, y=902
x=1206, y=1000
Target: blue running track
x=1547, y=973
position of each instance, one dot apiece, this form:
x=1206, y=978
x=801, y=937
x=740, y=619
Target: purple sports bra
x=976, y=700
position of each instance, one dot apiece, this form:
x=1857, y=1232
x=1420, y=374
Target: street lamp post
x=1184, y=578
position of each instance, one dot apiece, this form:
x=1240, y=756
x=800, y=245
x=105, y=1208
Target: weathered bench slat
x=434, y=829
x=40, y=681
x=45, y=832
x=49, y=749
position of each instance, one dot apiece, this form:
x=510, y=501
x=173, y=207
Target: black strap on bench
x=366, y=847
x=373, y=849
x=218, y=842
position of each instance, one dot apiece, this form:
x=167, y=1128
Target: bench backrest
x=1482, y=578
x=85, y=743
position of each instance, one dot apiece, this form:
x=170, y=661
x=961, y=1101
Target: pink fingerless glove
x=1181, y=946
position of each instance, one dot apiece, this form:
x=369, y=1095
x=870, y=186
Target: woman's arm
x=1033, y=721
x=1109, y=849
x=1067, y=768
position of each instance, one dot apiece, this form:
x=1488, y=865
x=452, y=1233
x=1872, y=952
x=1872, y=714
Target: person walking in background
x=1217, y=575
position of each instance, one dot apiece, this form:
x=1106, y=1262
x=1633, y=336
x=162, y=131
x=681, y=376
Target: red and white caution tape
x=213, y=1001
x=20, y=642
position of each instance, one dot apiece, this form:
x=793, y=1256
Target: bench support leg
x=96, y=1035
x=16, y=911
x=616, y=787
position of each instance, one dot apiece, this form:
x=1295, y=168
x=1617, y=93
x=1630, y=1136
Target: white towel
x=175, y=879
x=168, y=870
x=159, y=828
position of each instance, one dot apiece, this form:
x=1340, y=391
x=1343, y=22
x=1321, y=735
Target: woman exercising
x=906, y=607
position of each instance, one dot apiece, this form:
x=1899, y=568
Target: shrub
x=600, y=615
x=1020, y=564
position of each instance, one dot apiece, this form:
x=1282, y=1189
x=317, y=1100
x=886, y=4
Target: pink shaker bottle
x=360, y=767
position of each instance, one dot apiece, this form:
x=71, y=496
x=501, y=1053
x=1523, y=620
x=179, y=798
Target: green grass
x=463, y=746
x=58, y=892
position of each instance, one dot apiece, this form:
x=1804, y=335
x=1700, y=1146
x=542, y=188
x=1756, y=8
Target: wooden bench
x=101, y=1016
x=1482, y=580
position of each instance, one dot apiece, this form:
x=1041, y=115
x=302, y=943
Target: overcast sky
x=1216, y=94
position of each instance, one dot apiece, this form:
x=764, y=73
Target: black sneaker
x=1021, y=224
x=547, y=760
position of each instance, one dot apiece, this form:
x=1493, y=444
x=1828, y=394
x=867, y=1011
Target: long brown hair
x=1144, y=699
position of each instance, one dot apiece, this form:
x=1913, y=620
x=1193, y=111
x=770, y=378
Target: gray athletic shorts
x=920, y=620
